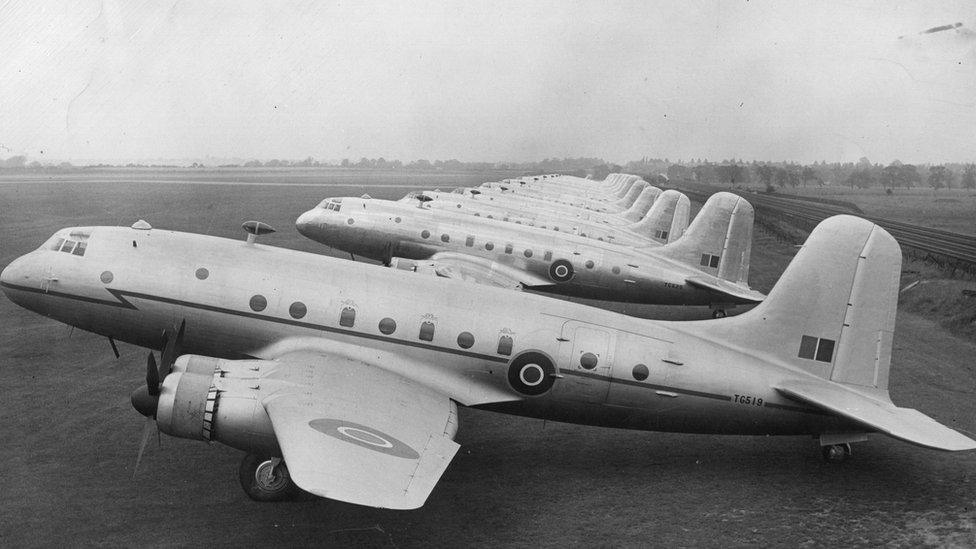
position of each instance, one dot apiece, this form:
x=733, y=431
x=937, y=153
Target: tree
x=861, y=179
x=940, y=176
x=969, y=177
x=765, y=174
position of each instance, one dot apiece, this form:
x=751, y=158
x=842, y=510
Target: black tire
x=719, y=313
x=253, y=474
x=835, y=453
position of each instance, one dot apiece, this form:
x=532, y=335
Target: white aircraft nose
x=307, y=222
x=14, y=274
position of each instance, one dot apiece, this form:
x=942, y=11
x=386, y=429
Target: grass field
x=70, y=435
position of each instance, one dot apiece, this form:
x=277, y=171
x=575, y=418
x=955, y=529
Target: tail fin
x=832, y=313
x=719, y=240
x=667, y=219
x=635, y=190
x=642, y=205
x=626, y=181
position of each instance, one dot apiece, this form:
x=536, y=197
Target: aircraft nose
x=308, y=222
x=15, y=274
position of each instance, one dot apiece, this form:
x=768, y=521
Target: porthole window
x=589, y=264
x=505, y=345
x=297, y=310
x=615, y=270
x=445, y=238
x=387, y=326
x=427, y=331
x=425, y=234
x=588, y=361
x=350, y=221
x=397, y=219
x=528, y=253
x=202, y=273
x=640, y=372
x=347, y=317
x=465, y=340
x=489, y=246
x=106, y=277
x=258, y=302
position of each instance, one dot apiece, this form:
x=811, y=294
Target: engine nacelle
x=212, y=399
x=404, y=264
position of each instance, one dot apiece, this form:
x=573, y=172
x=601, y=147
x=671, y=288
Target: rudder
x=667, y=219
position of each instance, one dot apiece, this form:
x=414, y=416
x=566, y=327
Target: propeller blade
x=171, y=349
x=146, y=435
x=152, y=375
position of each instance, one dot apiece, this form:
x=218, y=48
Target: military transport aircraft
x=344, y=378
x=528, y=203
x=604, y=203
x=708, y=265
x=665, y=220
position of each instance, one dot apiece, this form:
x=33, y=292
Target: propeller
x=145, y=399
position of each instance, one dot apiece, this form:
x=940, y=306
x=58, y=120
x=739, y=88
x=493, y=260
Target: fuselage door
x=585, y=362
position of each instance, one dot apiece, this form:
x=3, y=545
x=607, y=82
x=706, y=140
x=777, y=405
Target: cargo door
x=585, y=362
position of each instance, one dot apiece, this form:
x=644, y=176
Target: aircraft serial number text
x=747, y=399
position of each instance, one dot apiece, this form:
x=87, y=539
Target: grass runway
x=70, y=436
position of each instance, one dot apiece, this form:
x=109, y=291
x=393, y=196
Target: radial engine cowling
x=212, y=399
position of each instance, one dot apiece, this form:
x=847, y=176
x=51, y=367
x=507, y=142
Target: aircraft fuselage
x=545, y=358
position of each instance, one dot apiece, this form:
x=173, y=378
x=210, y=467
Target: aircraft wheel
x=836, y=453
x=719, y=313
x=266, y=479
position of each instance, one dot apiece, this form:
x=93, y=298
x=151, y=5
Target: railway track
x=953, y=251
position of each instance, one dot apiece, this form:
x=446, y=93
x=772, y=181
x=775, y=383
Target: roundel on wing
x=561, y=270
x=531, y=373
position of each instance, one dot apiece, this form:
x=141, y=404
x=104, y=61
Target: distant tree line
x=780, y=175
x=576, y=166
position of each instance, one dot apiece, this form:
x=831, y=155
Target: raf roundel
x=561, y=270
x=531, y=373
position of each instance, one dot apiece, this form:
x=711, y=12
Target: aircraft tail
x=642, y=205
x=626, y=181
x=631, y=197
x=667, y=219
x=832, y=312
x=831, y=316
x=719, y=240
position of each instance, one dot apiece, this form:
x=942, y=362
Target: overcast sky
x=124, y=80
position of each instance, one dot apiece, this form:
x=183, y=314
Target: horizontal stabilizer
x=881, y=415
x=738, y=292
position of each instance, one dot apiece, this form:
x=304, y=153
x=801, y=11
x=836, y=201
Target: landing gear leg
x=719, y=313
x=266, y=479
x=836, y=453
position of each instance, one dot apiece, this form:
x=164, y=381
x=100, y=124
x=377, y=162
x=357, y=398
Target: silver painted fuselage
x=240, y=300
x=379, y=229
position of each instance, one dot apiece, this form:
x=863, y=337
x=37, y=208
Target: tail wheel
x=266, y=479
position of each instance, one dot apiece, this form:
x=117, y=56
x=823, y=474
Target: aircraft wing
x=737, y=292
x=902, y=423
x=484, y=271
x=351, y=431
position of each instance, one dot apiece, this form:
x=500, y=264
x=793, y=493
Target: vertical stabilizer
x=719, y=240
x=626, y=182
x=832, y=313
x=631, y=197
x=643, y=204
x=667, y=219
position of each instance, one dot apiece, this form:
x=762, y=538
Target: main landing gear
x=719, y=313
x=835, y=453
x=266, y=479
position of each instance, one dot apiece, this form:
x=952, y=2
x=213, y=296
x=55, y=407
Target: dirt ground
x=70, y=436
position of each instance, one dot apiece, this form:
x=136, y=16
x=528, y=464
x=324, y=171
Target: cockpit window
x=76, y=244
x=331, y=204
